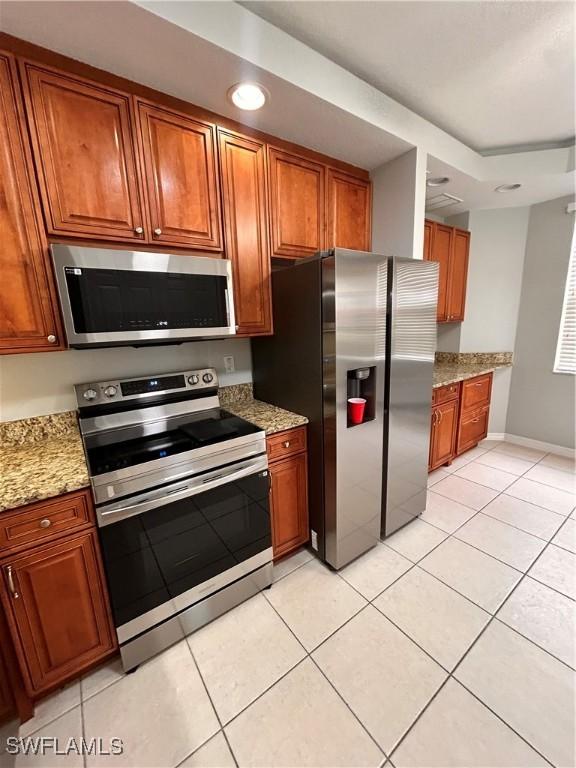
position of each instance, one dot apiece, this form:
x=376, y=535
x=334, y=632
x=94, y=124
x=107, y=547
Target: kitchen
x=212, y=384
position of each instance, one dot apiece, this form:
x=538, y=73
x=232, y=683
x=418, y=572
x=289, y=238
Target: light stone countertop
x=40, y=463
x=450, y=373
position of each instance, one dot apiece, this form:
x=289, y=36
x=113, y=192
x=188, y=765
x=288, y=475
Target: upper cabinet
x=449, y=247
x=29, y=319
x=181, y=178
x=458, y=275
x=85, y=157
x=297, y=218
x=349, y=207
x=243, y=177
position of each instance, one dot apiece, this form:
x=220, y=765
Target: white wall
x=542, y=403
x=399, y=192
x=42, y=383
x=497, y=247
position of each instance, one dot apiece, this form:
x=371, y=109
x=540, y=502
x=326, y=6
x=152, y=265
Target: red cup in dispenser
x=356, y=407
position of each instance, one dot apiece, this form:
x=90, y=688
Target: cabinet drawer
x=473, y=428
x=476, y=392
x=286, y=443
x=445, y=394
x=43, y=521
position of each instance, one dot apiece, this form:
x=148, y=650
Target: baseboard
x=496, y=436
x=538, y=445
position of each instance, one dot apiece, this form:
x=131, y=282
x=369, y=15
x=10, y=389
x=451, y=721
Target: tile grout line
x=309, y=656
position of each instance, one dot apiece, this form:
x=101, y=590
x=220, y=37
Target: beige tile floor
x=451, y=644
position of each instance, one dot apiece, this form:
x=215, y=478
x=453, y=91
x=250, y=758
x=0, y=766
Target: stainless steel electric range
x=181, y=491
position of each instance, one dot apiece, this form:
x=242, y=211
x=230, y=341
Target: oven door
x=165, y=550
x=131, y=297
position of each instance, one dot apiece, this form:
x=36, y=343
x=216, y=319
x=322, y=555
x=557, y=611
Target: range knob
x=194, y=379
x=110, y=391
x=90, y=394
x=207, y=378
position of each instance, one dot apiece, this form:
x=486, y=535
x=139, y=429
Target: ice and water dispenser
x=361, y=395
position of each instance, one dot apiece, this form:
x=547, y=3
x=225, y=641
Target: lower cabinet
x=443, y=433
x=460, y=414
x=289, y=490
x=56, y=606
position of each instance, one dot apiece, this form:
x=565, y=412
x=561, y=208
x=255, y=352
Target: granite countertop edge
x=445, y=374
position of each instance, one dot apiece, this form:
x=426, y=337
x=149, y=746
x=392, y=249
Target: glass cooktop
x=197, y=432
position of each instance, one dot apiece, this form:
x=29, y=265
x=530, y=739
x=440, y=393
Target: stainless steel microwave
x=114, y=297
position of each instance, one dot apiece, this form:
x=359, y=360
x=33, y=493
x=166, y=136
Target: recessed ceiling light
x=248, y=96
x=437, y=181
x=507, y=187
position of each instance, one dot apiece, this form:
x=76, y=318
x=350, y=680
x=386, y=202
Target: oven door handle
x=117, y=512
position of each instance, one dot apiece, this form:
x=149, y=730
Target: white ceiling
x=492, y=74
x=478, y=195
x=197, y=50
x=129, y=41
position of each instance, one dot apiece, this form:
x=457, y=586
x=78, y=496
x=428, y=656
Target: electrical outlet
x=229, y=366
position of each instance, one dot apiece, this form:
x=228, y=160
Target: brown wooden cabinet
x=460, y=414
x=289, y=490
x=56, y=603
x=444, y=426
x=449, y=247
x=458, y=275
x=180, y=172
x=29, y=318
x=244, y=192
x=84, y=153
x=474, y=412
x=349, y=208
x=297, y=204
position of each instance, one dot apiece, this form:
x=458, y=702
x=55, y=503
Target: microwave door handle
x=182, y=492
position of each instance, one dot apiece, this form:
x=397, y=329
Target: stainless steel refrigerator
x=355, y=324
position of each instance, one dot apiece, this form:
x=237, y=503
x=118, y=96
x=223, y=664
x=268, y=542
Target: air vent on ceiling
x=442, y=200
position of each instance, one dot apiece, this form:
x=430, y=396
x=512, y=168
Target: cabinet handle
x=474, y=421
x=286, y=443
x=157, y=231
x=45, y=523
x=11, y=586
x=440, y=416
x=139, y=230
x=51, y=338
x=479, y=384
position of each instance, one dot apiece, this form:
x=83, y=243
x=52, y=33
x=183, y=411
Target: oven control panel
x=99, y=393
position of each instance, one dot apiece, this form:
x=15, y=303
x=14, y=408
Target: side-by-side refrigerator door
x=412, y=344
x=354, y=291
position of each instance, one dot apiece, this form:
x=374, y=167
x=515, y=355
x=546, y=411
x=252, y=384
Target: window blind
x=565, y=361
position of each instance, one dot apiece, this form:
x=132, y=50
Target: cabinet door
x=428, y=235
x=57, y=610
x=180, y=168
x=296, y=205
x=29, y=319
x=473, y=427
x=441, y=252
x=84, y=155
x=349, y=211
x=243, y=176
x=458, y=275
x=289, y=507
x=443, y=435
